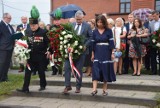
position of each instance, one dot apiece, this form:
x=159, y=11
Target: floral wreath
x=63, y=37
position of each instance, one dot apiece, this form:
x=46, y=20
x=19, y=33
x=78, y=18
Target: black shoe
x=22, y=90
x=125, y=73
x=94, y=93
x=41, y=88
x=134, y=74
x=104, y=93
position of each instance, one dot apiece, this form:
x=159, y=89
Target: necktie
x=9, y=29
x=24, y=26
x=77, y=29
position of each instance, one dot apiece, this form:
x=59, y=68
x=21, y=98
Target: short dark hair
x=103, y=19
x=155, y=12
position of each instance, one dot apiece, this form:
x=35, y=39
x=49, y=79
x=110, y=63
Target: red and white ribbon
x=73, y=68
x=22, y=44
x=28, y=66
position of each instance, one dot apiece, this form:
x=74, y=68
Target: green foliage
x=24, y=38
x=68, y=27
x=34, y=12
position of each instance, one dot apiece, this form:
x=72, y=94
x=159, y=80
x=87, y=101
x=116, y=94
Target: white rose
x=66, y=56
x=61, y=42
x=70, y=36
x=153, y=40
x=65, y=41
x=64, y=32
x=61, y=38
x=158, y=44
x=69, y=45
x=66, y=50
x=60, y=46
x=59, y=59
x=76, y=42
x=66, y=36
x=80, y=47
x=76, y=51
x=65, y=46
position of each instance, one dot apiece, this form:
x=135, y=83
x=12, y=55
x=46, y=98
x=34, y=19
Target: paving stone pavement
x=41, y=102
x=32, y=102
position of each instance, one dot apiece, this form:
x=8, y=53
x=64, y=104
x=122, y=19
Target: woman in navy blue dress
x=102, y=55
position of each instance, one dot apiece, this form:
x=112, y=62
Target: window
x=157, y=7
x=125, y=6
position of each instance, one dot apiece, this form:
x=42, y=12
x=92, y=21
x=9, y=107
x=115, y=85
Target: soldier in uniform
x=38, y=43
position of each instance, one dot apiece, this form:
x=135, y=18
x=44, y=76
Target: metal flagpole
x=2, y=8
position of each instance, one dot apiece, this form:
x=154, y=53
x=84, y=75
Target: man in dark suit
x=82, y=28
x=127, y=61
x=38, y=43
x=154, y=26
x=6, y=46
x=147, y=56
x=24, y=24
x=21, y=27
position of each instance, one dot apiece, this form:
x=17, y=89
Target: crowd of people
x=104, y=39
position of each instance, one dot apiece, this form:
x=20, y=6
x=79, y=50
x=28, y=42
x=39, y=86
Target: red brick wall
x=91, y=7
x=135, y=4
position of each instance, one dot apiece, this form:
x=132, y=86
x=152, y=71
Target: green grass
x=15, y=81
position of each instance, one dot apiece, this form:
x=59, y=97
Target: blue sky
x=18, y=8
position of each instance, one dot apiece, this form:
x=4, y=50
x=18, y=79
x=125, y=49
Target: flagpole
x=2, y=8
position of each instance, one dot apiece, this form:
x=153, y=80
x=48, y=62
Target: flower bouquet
x=155, y=39
x=21, y=51
x=63, y=37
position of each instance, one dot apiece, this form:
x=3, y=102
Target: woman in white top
x=120, y=33
x=116, y=40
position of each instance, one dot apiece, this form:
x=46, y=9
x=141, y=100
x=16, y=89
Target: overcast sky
x=18, y=8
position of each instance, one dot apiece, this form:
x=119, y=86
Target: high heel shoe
x=94, y=92
x=134, y=74
x=104, y=93
x=138, y=74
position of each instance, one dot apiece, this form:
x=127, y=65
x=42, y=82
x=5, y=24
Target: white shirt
x=25, y=26
x=80, y=27
x=130, y=25
x=116, y=35
x=156, y=25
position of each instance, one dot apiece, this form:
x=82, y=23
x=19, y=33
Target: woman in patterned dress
x=102, y=55
x=136, y=49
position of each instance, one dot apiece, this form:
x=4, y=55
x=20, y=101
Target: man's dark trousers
x=5, y=59
x=40, y=67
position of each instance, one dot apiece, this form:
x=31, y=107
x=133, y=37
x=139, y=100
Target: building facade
x=114, y=8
